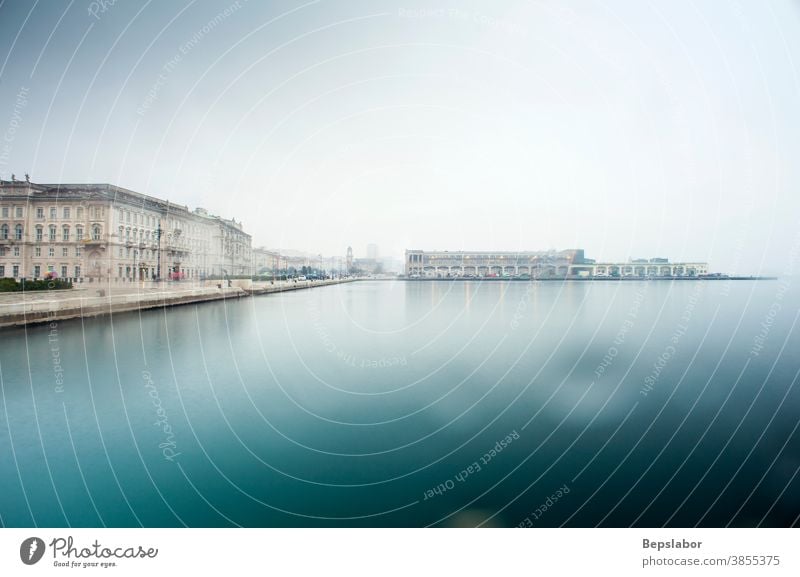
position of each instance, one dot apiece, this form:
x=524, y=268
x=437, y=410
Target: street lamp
x=158, y=232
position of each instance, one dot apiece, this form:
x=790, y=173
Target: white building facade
x=104, y=233
x=538, y=264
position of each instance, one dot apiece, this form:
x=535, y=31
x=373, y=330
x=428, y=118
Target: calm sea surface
x=413, y=404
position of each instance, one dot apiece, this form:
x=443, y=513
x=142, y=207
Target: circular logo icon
x=31, y=550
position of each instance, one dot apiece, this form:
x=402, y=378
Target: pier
x=28, y=308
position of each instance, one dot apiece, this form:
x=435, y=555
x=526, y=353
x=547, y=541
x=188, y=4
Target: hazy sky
x=631, y=129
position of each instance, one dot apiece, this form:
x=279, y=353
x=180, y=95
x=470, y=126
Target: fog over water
x=630, y=130
x=413, y=403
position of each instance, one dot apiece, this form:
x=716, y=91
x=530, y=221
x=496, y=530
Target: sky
x=628, y=128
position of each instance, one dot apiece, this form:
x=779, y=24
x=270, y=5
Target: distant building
x=486, y=264
x=265, y=261
x=367, y=265
x=372, y=252
x=536, y=264
x=105, y=233
x=349, y=259
x=232, y=247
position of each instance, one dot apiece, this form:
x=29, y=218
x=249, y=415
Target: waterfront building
x=367, y=266
x=105, y=233
x=232, y=248
x=292, y=262
x=538, y=264
x=266, y=261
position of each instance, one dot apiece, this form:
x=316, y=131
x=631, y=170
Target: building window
x=53, y=213
x=18, y=232
x=52, y=234
x=19, y=212
x=2, y=251
x=51, y=252
x=77, y=251
x=64, y=251
x=37, y=251
x=15, y=271
x=2, y=270
x=96, y=232
x=39, y=212
x=16, y=251
x=79, y=212
x=119, y=272
x=5, y=212
x=66, y=212
x=38, y=234
x=4, y=232
x=65, y=233
x=77, y=271
x=120, y=252
x=127, y=216
x=63, y=271
x=37, y=270
x=78, y=233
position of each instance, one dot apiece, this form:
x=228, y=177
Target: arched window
x=39, y=230
x=4, y=232
x=18, y=232
x=96, y=232
x=52, y=233
x=65, y=233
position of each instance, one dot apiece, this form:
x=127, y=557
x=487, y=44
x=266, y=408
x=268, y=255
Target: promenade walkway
x=23, y=308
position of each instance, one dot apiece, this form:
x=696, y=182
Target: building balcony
x=94, y=243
